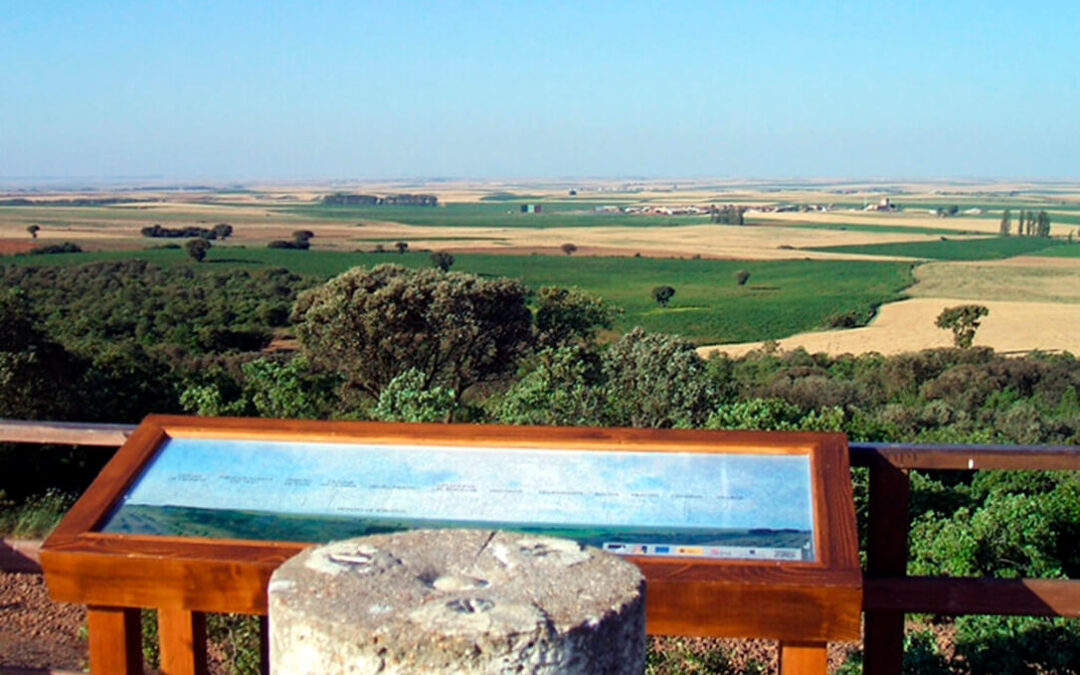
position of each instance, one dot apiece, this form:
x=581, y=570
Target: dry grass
x=906, y=218
x=254, y=226
x=1025, y=279
x=909, y=326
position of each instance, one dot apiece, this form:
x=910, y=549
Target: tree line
x=727, y=215
x=1028, y=224
x=404, y=199
x=220, y=231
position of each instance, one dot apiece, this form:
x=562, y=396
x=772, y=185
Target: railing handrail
x=900, y=455
x=64, y=433
x=888, y=592
x=964, y=457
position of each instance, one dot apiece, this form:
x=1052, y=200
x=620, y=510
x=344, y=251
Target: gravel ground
x=38, y=633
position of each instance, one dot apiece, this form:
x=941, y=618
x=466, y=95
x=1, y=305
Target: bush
x=298, y=244
x=663, y=294
x=963, y=321
x=406, y=400
x=1018, y=645
x=35, y=517
x=373, y=325
x=66, y=247
x=197, y=248
x=561, y=387
x=654, y=380
x=565, y=315
x=442, y=260
x=849, y=319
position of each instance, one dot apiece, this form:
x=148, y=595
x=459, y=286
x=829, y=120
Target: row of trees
x=220, y=231
x=301, y=240
x=349, y=199
x=1028, y=224
x=727, y=215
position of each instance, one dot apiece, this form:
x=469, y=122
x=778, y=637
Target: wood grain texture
x=115, y=641
x=182, y=635
x=803, y=658
x=818, y=613
x=67, y=433
x=983, y=595
x=887, y=554
x=509, y=436
x=965, y=457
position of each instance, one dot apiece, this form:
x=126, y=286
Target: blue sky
x=231, y=90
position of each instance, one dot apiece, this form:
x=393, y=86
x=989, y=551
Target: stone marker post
x=456, y=601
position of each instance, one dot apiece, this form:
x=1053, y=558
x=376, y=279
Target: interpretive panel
x=682, y=504
x=738, y=533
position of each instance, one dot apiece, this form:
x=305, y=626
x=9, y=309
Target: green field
x=860, y=227
x=488, y=214
x=989, y=248
x=1067, y=251
x=782, y=297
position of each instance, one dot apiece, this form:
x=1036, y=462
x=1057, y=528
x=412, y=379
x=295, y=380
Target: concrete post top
x=456, y=580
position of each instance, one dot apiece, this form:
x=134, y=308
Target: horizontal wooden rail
x=20, y=555
x=930, y=595
x=980, y=595
x=964, y=457
x=67, y=433
x=888, y=594
x=900, y=455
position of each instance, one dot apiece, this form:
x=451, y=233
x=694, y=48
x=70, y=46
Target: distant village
x=882, y=205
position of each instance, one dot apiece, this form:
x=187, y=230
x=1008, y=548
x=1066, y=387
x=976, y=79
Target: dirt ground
x=36, y=632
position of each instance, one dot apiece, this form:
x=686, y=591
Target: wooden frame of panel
x=799, y=603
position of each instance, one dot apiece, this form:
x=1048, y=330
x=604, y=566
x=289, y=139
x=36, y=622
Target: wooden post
x=115, y=640
x=803, y=658
x=183, y=642
x=887, y=553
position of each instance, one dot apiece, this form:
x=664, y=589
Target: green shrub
x=405, y=399
x=1017, y=645
x=36, y=516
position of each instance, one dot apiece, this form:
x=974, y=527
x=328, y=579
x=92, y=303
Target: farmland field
x=1030, y=279
x=954, y=249
x=821, y=257
x=782, y=296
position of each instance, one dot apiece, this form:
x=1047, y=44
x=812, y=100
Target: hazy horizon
x=229, y=91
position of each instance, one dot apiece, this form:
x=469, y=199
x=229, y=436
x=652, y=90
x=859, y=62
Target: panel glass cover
x=688, y=504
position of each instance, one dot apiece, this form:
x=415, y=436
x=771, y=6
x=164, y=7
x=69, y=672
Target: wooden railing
x=888, y=593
